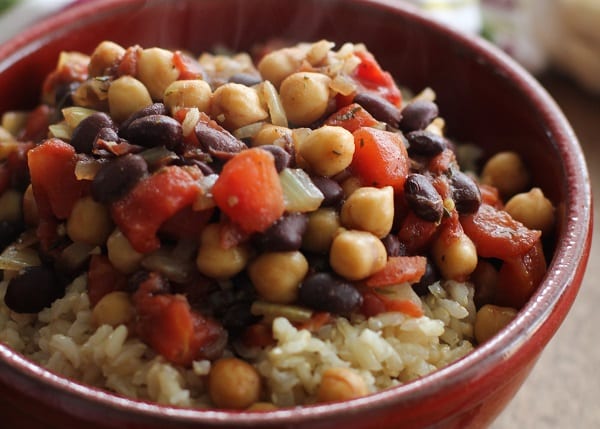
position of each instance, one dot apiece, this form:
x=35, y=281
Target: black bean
x=430, y=276
x=284, y=235
x=393, y=245
x=423, y=198
x=153, y=109
x=115, y=178
x=425, y=143
x=238, y=316
x=219, y=143
x=84, y=134
x=9, y=231
x=245, y=79
x=465, y=193
x=282, y=158
x=418, y=115
x=108, y=135
x=327, y=292
x=32, y=290
x=332, y=191
x=155, y=130
x=379, y=108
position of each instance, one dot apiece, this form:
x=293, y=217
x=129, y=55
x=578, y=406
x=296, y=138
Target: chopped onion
x=205, y=199
x=15, y=258
x=62, y=131
x=74, y=115
x=248, y=131
x=86, y=168
x=278, y=115
x=157, y=156
x=271, y=311
x=299, y=192
x=343, y=84
x=75, y=255
x=318, y=51
x=14, y=121
x=169, y=263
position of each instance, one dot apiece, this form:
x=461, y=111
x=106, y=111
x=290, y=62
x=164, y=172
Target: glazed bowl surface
x=484, y=97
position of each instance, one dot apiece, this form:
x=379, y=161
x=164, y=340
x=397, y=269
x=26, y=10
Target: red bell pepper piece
x=380, y=158
x=351, y=117
x=399, y=269
x=150, y=203
x=370, y=75
x=248, y=190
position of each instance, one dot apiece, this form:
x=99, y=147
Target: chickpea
x=11, y=206
x=341, y=384
x=105, y=56
x=215, y=261
x=279, y=64
x=156, y=70
x=89, y=222
x=30, y=210
x=121, y=254
x=322, y=226
x=272, y=134
x=532, y=209
x=355, y=255
x=328, y=150
x=235, y=105
x=455, y=257
x=188, y=93
x=350, y=185
x=233, y=384
x=305, y=97
x=114, y=309
x=507, y=172
x=277, y=275
x=127, y=95
x=490, y=320
x=370, y=209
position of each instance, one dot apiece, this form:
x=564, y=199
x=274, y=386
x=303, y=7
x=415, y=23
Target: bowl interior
x=483, y=96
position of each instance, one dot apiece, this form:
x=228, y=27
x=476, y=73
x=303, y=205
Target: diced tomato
x=370, y=75
x=168, y=324
x=316, y=322
x=497, y=235
x=248, y=190
x=188, y=67
x=344, y=100
x=351, y=117
x=441, y=185
x=128, y=63
x=36, y=127
x=399, y=269
x=375, y=303
x=380, y=158
x=519, y=277
x=186, y=223
x=258, y=335
x=491, y=196
x=103, y=278
x=415, y=233
x=52, y=171
x=442, y=162
x=150, y=203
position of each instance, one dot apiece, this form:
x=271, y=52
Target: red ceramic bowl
x=484, y=97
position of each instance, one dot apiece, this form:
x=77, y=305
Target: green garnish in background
x=5, y=4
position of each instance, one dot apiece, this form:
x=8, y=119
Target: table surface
x=564, y=387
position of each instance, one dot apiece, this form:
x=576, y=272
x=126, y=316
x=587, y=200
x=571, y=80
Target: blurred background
x=558, y=41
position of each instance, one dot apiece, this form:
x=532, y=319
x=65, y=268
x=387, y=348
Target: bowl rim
x=575, y=239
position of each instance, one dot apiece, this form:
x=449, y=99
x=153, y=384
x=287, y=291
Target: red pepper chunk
x=150, y=203
x=103, y=278
x=167, y=324
x=249, y=192
x=370, y=75
x=52, y=171
x=399, y=269
x=519, y=276
x=380, y=158
x=351, y=117
x=497, y=235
